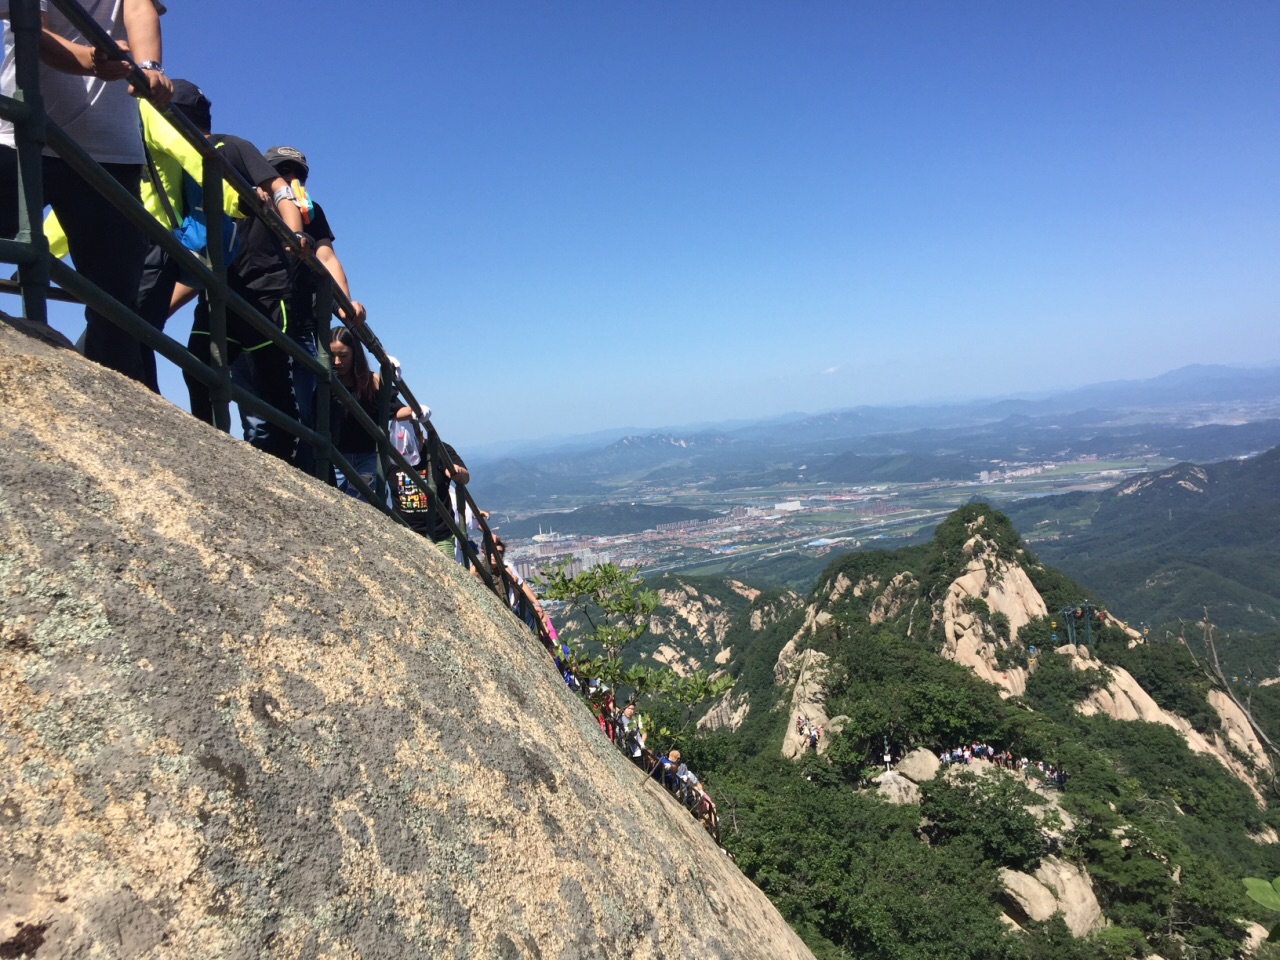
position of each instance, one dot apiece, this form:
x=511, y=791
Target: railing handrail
x=29, y=113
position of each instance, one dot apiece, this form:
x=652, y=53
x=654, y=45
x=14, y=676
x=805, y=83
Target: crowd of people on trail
x=1035, y=770
x=626, y=727
x=810, y=734
x=116, y=115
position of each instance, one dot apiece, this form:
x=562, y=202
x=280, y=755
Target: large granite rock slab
x=242, y=715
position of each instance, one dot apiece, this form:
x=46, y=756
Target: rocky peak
x=1005, y=588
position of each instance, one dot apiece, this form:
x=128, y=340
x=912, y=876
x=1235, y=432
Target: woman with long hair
x=360, y=448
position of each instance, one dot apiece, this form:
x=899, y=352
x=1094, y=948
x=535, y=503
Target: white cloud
x=830, y=370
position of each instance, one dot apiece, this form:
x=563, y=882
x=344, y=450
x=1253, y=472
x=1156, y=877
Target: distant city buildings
x=1013, y=473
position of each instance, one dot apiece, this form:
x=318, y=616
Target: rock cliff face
x=728, y=713
x=1124, y=699
x=1055, y=886
x=242, y=715
x=1005, y=588
x=806, y=671
x=696, y=624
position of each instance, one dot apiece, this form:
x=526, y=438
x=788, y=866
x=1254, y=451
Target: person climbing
x=632, y=733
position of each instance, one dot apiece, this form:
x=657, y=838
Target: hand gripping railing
x=29, y=250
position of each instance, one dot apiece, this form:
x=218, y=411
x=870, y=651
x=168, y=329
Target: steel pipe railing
x=29, y=251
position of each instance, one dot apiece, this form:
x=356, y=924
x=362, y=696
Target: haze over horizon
x=612, y=433
x=612, y=214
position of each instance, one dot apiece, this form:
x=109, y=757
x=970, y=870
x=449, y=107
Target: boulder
x=1074, y=890
x=893, y=787
x=244, y=715
x=1254, y=936
x=1055, y=887
x=1026, y=896
x=919, y=765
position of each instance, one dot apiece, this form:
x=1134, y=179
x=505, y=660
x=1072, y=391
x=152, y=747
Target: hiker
x=357, y=445
x=291, y=165
x=259, y=272
x=418, y=509
x=632, y=733
x=82, y=93
x=172, y=174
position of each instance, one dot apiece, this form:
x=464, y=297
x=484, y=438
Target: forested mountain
x=1168, y=802
x=1165, y=545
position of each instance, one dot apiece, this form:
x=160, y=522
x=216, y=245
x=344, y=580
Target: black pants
x=160, y=274
x=105, y=247
x=270, y=373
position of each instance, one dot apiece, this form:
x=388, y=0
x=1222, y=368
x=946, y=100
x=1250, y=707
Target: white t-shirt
x=102, y=117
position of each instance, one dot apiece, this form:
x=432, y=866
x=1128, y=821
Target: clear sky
x=567, y=216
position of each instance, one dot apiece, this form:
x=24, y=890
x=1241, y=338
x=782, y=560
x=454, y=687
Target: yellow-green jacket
x=172, y=155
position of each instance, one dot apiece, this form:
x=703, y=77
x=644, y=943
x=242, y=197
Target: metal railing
x=37, y=268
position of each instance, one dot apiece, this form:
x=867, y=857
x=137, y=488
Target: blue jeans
x=365, y=464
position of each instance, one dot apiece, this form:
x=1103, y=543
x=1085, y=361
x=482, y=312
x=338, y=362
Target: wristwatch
x=151, y=65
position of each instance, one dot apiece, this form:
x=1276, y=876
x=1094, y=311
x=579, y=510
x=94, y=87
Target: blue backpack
x=192, y=230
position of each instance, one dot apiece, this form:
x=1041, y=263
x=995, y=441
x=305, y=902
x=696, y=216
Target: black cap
x=278, y=155
x=193, y=104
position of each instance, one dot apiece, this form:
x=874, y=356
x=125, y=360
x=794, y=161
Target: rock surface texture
x=1055, y=886
x=1125, y=699
x=1005, y=588
x=241, y=715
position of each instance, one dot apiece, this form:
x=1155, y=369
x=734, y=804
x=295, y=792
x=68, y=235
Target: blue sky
x=567, y=216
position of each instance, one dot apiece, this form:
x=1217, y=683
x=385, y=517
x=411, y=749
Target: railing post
x=324, y=317
x=25, y=21
x=385, y=389
x=219, y=392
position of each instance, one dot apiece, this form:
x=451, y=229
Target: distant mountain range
x=1190, y=385
x=1198, y=413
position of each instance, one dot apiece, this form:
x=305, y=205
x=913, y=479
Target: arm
x=459, y=473
x=327, y=256
x=142, y=25
x=289, y=213
x=287, y=209
x=78, y=58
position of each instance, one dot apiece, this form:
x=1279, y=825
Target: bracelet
x=282, y=193
x=151, y=65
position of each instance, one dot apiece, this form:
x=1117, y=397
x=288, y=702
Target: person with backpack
x=291, y=164
x=260, y=273
x=171, y=180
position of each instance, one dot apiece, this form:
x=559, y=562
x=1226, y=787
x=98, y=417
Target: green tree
x=616, y=607
x=990, y=812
